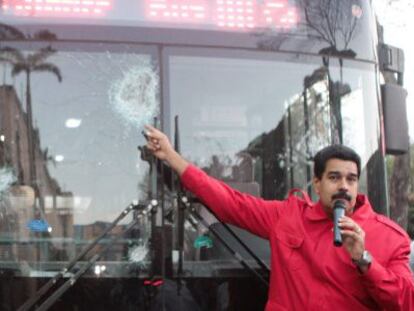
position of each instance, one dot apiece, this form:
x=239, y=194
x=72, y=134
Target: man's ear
x=316, y=185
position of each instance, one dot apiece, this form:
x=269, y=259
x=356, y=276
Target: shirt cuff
x=376, y=273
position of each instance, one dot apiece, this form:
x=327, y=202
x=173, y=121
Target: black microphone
x=338, y=212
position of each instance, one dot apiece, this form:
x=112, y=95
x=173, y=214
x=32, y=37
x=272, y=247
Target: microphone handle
x=339, y=211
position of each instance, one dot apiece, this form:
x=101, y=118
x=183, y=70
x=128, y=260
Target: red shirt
x=307, y=271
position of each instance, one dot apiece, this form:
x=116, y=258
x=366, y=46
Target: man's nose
x=343, y=185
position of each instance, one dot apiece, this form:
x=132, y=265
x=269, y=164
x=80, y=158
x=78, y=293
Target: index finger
x=346, y=219
x=151, y=131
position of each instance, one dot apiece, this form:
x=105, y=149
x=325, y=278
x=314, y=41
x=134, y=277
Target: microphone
x=338, y=212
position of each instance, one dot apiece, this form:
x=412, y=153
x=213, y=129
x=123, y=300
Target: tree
x=10, y=32
x=410, y=225
x=334, y=22
x=399, y=188
x=28, y=64
x=396, y=16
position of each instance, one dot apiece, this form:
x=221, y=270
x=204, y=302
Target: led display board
x=81, y=8
x=237, y=15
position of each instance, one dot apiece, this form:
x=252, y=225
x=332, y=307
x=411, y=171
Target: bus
x=249, y=90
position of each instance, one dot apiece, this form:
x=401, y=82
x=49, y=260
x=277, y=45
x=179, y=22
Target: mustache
x=341, y=196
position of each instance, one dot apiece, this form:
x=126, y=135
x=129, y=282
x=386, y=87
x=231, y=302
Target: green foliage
x=389, y=162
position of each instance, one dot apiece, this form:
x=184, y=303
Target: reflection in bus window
x=276, y=122
x=69, y=124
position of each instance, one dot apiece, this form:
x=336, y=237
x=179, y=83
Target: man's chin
x=349, y=209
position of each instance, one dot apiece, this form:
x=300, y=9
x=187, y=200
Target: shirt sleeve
x=231, y=206
x=392, y=285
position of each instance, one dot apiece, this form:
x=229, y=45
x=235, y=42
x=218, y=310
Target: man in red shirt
x=369, y=272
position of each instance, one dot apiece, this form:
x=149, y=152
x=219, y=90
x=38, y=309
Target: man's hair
x=334, y=152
